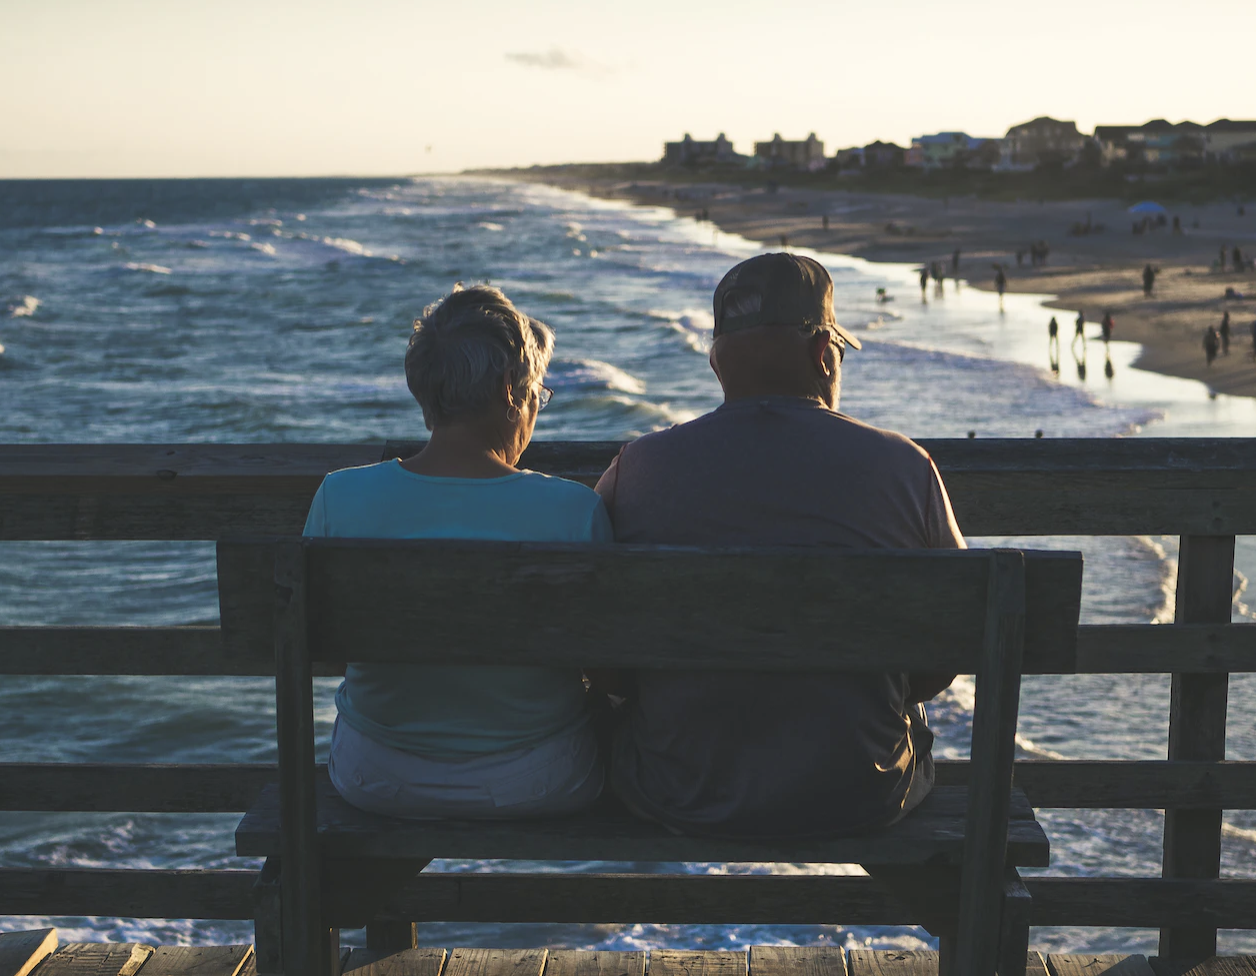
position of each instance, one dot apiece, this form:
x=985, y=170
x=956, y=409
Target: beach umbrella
x=1147, y=207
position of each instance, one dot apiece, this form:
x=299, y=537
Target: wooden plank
x=1197, y=707
x=998, y=487
x=495, y=962
x=1036, y=965
x=892, y=962
x=127, y=893
x=1147, y=784
x=997, y=700
x=234, y=787
x=797, y=961
x=305, y=942
x=575, y=962
x=1216, y=966
x=688, y=962
x=791, y=899
x=1098, y=965
x=198, y=960
x=96, y=959
x=368, y=590
x=935, y=830
x=20, y=952
x=197, y=650
x=405, y=962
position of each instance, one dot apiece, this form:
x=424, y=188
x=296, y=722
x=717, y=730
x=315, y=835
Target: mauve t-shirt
x=754, y=753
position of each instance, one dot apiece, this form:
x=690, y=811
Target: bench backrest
x=435, y=602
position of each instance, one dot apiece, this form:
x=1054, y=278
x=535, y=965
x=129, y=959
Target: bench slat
x=406, y=962
x=574, y=962
x=934, y=828
x=797, y=961
x=709, y=608
x=688, y=962
x=495, y=962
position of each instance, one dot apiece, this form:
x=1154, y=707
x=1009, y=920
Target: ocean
x=278, y=310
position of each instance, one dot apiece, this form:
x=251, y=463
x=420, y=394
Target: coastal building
x=694, y=152
x=805, y=154
x=1043, y=141
x=1160, y=144
x=875, y=155
x=953, y=150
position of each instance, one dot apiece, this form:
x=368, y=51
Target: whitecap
x=489, y=225
x=150, y=268
x=1, y=349
x=97, y=231
x=230, y=235
x=594, y=374
x=348, y=245
x=26, y=308
x=267, y=249
x=150, y=225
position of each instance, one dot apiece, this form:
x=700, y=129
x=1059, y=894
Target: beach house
x=1163, y=144
x=953, y=149
x=694, y=152
x=804, y=154
x=1043, y=141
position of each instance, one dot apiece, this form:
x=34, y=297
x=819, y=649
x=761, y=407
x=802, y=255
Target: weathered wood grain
x=20, y=952
x=495, y=962
x=935, y=829
x=197, y=960
x=775, y=608
x=405, y=962
x=797, y=961
x=1216, y=966
x=574, y=962
x=1098, y=965
x=128, y=893
x=892, y=962
x=998, y=487
x=96, y=959
x=687, y=962
x=1197, y=717
x=1101, y=649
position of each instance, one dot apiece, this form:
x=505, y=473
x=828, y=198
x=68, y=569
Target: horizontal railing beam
x=1084, y=486
x=233, y=787
x=601, y=898
x=1101, y=649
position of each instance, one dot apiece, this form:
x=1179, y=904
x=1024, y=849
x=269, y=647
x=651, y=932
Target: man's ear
x=715, y=366
x=817, y=346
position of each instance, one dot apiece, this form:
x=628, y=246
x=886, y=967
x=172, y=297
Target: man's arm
x=943, y=533
x=609, y=680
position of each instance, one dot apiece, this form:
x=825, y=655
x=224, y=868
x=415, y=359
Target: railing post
x=1192, y=838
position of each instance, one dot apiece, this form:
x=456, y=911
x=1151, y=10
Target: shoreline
x=1093, y=272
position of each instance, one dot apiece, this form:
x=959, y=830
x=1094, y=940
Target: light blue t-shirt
x=450, y=712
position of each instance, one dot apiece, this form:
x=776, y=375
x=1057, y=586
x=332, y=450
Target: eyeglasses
x=543, y=397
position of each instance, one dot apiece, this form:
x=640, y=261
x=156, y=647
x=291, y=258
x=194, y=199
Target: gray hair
x=465, y=344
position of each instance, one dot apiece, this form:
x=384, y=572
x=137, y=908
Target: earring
x=512, y=409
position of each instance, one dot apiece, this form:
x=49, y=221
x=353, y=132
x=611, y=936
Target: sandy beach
x=1095, y=272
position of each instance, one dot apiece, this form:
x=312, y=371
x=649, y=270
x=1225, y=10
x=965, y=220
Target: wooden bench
x=974, y=612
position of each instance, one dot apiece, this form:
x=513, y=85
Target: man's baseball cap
x=777, y=289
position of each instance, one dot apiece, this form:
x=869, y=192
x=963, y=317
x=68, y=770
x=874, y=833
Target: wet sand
x=1093, y=272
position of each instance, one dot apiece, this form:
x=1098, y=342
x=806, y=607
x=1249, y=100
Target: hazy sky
x=275, y=87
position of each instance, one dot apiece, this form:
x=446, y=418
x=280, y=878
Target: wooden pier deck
x=37, y=953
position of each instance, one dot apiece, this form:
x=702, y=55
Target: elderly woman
x=424, y=741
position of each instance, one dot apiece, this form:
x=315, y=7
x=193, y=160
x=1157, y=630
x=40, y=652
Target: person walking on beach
x=1079, y=332
x=776, y=464
x=1224, y=332
x=1149, y=280
x=1000, y=283
x=1106, y=326
x=1211, y=342
x=924, y=283
x=955, y=262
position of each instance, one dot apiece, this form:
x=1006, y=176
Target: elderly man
x=752, y=754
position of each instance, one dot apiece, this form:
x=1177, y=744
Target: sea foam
x=25, y=308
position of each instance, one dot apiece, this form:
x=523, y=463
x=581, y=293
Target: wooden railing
x=1203, y=490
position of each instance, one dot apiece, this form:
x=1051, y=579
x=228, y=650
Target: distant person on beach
x=1149, y=280
x=1053, y=329
x=1236, y=258
x=1079, y=332
x=1224, y=333
x=924, y=282
x=1211, y=342
x=734, y=754
x=955, y=261
x=1000, y=282
x=1106, y=326
x=448, y=741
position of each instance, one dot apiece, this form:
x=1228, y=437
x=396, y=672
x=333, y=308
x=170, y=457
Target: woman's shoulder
x=550, y=486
